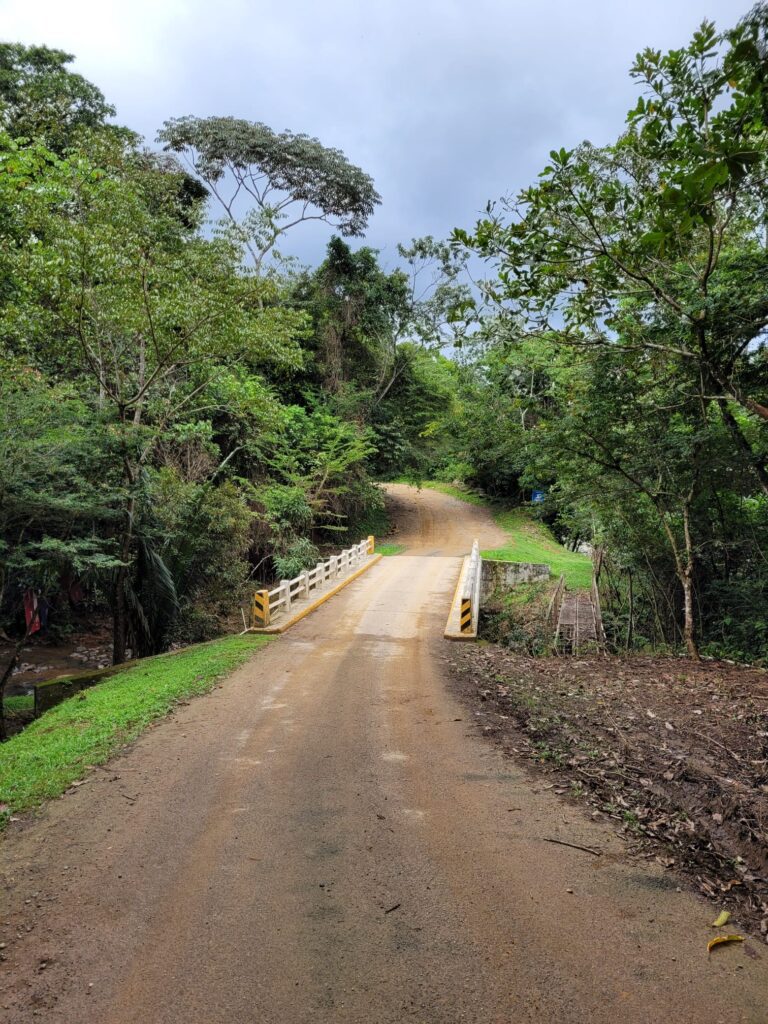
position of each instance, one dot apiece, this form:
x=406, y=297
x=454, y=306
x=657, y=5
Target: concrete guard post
x=464, y=614
x=260, y=609
x=465, y=621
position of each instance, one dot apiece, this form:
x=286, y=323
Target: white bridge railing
x=278, y=601
x=469, y=611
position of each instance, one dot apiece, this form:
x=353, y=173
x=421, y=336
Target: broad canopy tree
x=267, y=182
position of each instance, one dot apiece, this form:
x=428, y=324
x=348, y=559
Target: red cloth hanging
x=31, y=613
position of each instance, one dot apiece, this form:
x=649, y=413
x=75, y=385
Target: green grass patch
x=60, y=746
x=24, y=702
x=390, y=549
x=531, y=541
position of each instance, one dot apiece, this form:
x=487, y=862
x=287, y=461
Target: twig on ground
x=575, y=846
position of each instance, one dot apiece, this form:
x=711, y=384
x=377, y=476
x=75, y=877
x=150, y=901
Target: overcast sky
x=446, y=103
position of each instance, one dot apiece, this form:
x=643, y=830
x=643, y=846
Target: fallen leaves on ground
x=722, y=939
x=694, y=797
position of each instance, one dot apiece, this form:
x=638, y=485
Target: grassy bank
x=528, y=540
x=58, y=748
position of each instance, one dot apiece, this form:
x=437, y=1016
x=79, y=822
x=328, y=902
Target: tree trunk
x=684, y=572
x=631, y=623
x=119, y=619
x=743, y=444
x=120, y=610
x=688, y=630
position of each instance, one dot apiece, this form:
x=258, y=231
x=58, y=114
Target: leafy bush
x=300, y=554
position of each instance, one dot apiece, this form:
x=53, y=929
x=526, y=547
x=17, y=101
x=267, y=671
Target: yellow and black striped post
x=466, y=615
x=260, y=609
x=371, y=544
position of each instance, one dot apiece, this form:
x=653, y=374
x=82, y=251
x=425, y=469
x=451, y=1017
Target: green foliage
x=624, y=367
x=297, y=555
x=517, y=619
x=51, y=524
x=41, y=98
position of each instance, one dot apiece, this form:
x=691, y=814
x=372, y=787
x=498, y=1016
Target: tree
x=288, y=178
x=58, y=487
x=122, y=292
x=656, y=242
x=41, y=99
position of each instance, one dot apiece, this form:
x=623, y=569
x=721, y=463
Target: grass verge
x=390, y=549
x=59, y=747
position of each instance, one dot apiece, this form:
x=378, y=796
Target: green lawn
x=60, y=746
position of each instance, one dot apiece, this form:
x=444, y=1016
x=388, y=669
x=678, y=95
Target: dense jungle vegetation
x=184, y=409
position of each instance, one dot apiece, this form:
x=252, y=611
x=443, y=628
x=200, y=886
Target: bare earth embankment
x=676, y=752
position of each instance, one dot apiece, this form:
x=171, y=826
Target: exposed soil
x=676, y=752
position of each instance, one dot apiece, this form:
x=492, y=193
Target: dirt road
x=328, y=838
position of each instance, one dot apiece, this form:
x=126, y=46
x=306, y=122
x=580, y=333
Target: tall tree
x=268, y=182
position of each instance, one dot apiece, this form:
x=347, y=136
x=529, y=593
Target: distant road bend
x=328, y=839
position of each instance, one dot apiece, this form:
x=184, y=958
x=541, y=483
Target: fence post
x=304, y=577
x=285, y=587
x=371, y=544
x=260, y=610
x=319, y=575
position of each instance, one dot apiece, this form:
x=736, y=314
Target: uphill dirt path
x=327, y=837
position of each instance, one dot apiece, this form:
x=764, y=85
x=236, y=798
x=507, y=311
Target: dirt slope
x=327, y=838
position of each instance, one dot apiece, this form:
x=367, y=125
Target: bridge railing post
x=260, y=609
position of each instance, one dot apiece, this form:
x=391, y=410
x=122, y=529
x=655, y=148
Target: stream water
x=42, y=660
